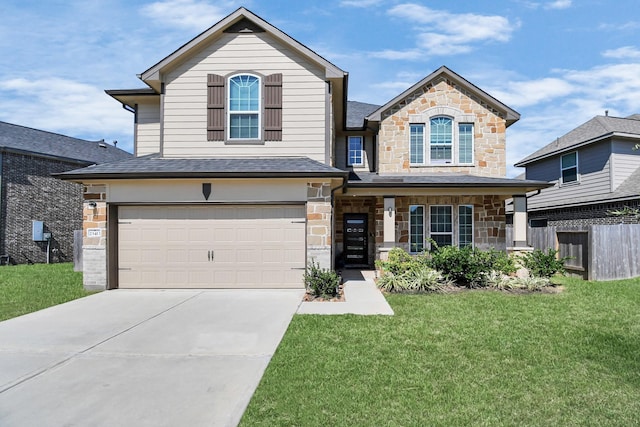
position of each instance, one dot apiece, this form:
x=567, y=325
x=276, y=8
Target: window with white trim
x=569, y=167
x=416, y=142
x=441, y=225
x=441, y=140
x=416, y=228
x=465, y=225
x=244, y=107
x=355, y=156
x=447, y=142
x=465, y=143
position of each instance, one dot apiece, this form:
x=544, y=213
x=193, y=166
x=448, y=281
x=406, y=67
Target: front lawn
x=28, y=288
x=471, y=358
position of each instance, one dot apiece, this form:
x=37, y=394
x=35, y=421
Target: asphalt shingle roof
x=370, y=179
x=24, y=139
x=154, y=166
x=596, y=128
x=357, y=111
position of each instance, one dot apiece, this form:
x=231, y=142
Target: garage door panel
x=252, y=246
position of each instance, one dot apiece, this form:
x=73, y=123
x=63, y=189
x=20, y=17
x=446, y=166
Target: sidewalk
x=361, y=297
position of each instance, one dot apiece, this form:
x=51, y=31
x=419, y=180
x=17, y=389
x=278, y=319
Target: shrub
x=541, y=264
x=321, y=282
x=393, y=282
x=532, y=283
x=470, y=266
x=497, y=280
x=400, y=261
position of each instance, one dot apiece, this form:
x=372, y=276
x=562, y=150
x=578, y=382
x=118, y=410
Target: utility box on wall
x=38, y=231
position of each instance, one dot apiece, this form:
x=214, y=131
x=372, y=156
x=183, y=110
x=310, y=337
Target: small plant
x=390, y=282
x=399, y=261
x=543, y=264
x=497, y=280
x=321, y=282
x=531, y=283
x=425, y=280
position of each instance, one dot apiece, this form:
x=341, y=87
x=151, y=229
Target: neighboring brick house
x=28, y=192
x=250, y=163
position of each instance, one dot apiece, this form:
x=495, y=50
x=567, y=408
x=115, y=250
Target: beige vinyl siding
x=624, y=161
x=593, y=176
x=303, y=99
x=148, y=129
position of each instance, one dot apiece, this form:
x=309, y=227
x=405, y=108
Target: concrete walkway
x=361, y=297
x=141, y=358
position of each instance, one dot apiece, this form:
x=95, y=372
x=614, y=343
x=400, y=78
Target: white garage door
x=252, y=246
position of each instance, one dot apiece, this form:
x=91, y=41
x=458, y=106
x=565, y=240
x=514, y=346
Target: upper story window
x=448, y=143
x=244, y=107
x=441, y=140
x=355, y=156
x=569, y=167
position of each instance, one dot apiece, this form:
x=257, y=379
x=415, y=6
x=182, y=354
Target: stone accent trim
x=443, y=97
x=319, y=223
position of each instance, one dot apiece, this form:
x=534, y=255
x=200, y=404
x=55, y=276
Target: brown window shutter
x=273, y=107
x=215, y=107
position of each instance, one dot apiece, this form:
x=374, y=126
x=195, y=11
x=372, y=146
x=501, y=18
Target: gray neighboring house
x=28, y=192
x=594, y=170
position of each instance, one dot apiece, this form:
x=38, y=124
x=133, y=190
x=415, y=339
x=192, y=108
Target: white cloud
x=360, y=3
x=187, y=14
x=526, y=93
x=627, y=26
x=558, y=4
x=66, y=106
x=622, y=53
x=443, y=33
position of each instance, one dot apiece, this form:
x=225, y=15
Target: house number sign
x=94, y=232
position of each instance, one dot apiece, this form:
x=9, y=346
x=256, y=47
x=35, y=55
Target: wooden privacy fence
x=599, y=252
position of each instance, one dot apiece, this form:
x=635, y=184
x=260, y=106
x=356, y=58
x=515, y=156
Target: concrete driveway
x=141, y=358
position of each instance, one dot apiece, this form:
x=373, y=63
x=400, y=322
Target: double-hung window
x=244, y=107
x=569, y=167
x=416, y=228
x=441, y=225
x=354, y=151
x=441, y=140
x=465, y=143
x=416, y=142
x=465, y=225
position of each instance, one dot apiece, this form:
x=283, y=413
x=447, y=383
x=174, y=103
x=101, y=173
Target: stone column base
x=516, y=251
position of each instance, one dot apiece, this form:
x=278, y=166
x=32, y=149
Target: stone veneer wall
x=319, y=221
x=364, y=205
x=443, y=97
x=488, y=218
x=94, y=249
x=29, y=193
x=597, y=214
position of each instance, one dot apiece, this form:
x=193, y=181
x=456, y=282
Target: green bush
x=469, y=266
x=399, y=262
x=321, y=282
x=541, y=264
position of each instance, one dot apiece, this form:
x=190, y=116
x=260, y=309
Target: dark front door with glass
x=355, y=240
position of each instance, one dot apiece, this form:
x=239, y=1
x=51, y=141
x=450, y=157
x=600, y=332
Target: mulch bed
x=311, y=298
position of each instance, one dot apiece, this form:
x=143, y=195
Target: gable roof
x=256, y=23
x=594, y=130
x=27, y=140
x=510, y=114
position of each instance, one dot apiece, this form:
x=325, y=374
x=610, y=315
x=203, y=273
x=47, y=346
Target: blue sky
x=557, y=62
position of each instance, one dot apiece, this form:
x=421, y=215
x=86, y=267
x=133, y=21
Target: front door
x=355, y=239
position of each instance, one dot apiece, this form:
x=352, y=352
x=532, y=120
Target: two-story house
x=593, y=170
x=250, y=162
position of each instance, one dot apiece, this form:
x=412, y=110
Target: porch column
x=519, y=221
x=389, y=230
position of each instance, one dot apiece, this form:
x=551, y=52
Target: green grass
x=474, y=358
x=28, y=288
